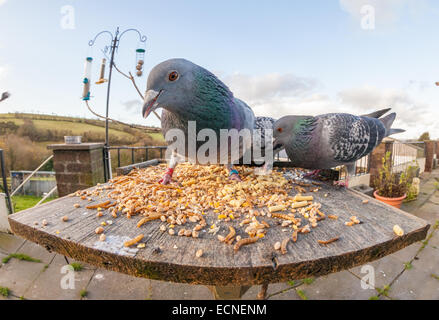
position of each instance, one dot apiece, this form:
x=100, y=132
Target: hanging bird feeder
x=87, y=79
x=140, y=58
x=102, y=73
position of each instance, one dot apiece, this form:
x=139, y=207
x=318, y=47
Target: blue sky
x=281, y=57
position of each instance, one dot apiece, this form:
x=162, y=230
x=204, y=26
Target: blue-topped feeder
x=87, y=79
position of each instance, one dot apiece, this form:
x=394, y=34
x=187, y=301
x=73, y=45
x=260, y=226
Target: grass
x=76, y=266
x=408, y=265
x=25, y=202
x=384, y=291
x=5, y=292
x=302, y=294
x=291, y=283
x=435, y=276
x=19, y=256
x=374, y=298
x=83, y=293
x=308, y=280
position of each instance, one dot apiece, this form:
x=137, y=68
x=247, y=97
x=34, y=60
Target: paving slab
x=10, y=243
x=429, y=212
x=386, y=270
x=109, y=285
x=18, y=275
x=252, y=293
x=435, y=198
x=415, y=284
x=408, y=253
x=162, y=290
x=337, y=286
x=434, y=240
x=48, y=285
x=37, y=252
x=428, y=260
x=290, y=294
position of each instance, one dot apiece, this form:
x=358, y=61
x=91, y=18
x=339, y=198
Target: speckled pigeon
x=333, y=139
x=188, y=92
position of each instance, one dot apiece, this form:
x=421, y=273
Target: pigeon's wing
x=377, y=114
x=352, y=137
x=247, y=116
x=261, y=125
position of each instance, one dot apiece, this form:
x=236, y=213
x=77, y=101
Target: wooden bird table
x=227, y=273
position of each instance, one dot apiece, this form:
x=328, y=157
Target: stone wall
x=77, y=166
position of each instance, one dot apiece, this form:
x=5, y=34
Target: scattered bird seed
x=199, y=253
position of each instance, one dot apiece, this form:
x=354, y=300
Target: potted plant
x=390, y=187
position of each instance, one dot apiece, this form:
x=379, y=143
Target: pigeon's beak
x=276, y=144
x=150, y=102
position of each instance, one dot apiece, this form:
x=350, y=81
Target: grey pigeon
x=333, y=139
x=4, y=96
x=188, y=92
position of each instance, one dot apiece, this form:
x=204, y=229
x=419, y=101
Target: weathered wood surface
x=172, y=258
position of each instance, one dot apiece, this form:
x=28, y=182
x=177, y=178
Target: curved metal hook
x=92, y=42
x=142, y=38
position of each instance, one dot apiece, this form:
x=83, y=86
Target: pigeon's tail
x=395, y=131
x=377, y=114
x=387, y=122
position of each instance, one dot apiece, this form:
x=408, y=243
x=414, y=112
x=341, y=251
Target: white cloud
x=413, y=113
x=269, y=86
x=277, y=95
x=2, y=2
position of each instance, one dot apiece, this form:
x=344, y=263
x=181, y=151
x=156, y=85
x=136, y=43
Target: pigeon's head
x=283, y=129
x=171, y=85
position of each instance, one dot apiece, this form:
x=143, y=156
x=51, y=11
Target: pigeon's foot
x=167, y=177
x=235, y=177
x=312, y=174
x=341, y=183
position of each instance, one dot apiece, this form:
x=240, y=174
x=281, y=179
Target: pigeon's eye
x=173, y=76
x=279, y=129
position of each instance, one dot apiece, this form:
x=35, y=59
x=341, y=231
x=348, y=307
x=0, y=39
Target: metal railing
x=31, y=175
x=5, y=183
x=404, y=155
x=133, y=150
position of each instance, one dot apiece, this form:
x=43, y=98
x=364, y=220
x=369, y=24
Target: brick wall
x=430, y=149
x=77, y=166
x=376, y=159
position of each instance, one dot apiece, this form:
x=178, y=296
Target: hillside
x=25, y=136
x=77, y=125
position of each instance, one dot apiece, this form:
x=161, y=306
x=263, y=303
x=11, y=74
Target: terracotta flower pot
x=395, y=202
